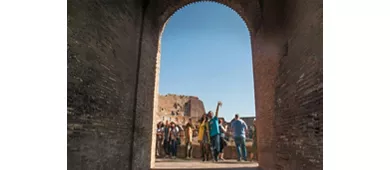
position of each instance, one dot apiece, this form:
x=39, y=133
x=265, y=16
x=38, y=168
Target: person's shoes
x=203, y=159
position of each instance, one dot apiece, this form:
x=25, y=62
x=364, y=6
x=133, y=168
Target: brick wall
x=298, y=97
x=102, y=61
x=113, y=82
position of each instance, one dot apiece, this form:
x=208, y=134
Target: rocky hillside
x=179, y=108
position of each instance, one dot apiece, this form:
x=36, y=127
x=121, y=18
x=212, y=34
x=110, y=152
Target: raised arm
x=218, y=105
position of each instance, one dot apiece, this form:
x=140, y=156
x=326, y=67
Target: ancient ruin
x=113, y=74
x=179, y=108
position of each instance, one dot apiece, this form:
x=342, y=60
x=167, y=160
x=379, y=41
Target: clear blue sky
x=206, y=52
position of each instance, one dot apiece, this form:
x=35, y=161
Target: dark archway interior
x=113, y=68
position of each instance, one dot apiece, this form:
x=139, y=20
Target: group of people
x=168, y=138
x=211, y=136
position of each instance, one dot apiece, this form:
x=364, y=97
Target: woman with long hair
x=166, y=144
x=204, y=138
x=222, y=129
x=159, y=140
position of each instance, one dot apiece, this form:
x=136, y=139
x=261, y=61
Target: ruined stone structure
x=182, y=107
x=113, y=68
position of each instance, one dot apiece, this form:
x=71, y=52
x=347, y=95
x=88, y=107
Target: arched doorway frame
x=266, y=48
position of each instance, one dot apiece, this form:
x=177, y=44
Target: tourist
x=167, y=146
x=239, y=129
x=188, y=134
x=214, y=135
x=174, y=137
x=160, y=138
x=222, y=129
x=254, y=142
x=204, y=138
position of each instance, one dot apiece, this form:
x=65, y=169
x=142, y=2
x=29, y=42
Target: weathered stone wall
x=298, y=97
x=103, y=48
x=196, y=108
x=180, y=105
x=113, y=80
x=178, y=109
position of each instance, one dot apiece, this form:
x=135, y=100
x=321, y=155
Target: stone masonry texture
x=113, y=66
x=173, y=106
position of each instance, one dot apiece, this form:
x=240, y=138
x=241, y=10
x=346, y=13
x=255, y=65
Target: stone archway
x=112, y=68
x=265, y=64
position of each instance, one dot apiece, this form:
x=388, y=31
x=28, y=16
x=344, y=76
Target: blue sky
x=205, y=52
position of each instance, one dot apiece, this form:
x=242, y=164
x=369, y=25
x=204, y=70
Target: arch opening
x=112, y=68
x=232, y=152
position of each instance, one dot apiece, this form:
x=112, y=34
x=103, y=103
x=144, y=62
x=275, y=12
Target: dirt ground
x=198, y=164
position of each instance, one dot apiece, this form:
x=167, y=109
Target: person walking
x=239, y=129
x=204, y=138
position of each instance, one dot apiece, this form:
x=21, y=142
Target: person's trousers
x=158, y=146
x=223, y=144
x=205, y=149
x=240, y=146
x=167, y=147
x=189, y=149
x=174, y=147
x=215, y=146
